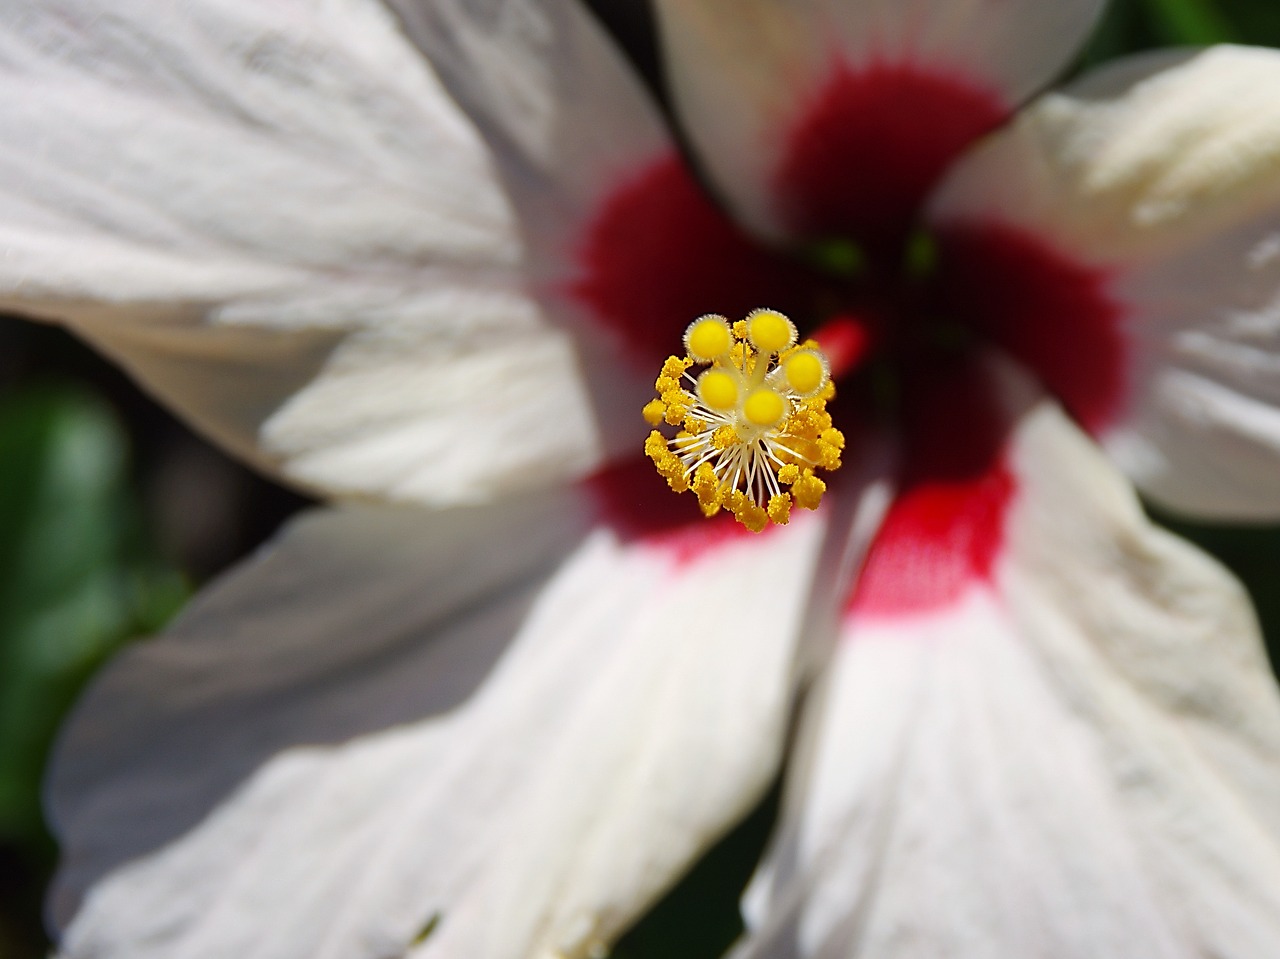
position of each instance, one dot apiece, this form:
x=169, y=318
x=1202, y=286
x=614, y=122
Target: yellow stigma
x=708, y=338
x=764, y=408
x=753, y=426
x=805, y=371
x=770, y=331
x=718, y=390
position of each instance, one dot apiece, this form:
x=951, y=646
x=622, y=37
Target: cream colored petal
x=1163, y=174
x=498, y=732
x=1076, y=757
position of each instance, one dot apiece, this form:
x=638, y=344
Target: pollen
x=753, y=426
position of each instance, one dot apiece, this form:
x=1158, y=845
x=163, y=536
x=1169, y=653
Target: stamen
x=754, y=428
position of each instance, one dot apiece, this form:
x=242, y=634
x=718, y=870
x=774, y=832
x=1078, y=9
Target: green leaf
x=1198, y=22
x=71, y=588
x=1258, y=20
x=1125, y=28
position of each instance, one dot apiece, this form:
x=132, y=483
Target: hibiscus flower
x=426, y=261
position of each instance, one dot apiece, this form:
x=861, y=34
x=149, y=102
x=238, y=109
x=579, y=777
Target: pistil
x=753, y=424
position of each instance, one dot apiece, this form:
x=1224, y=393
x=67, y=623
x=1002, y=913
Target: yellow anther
x=705, y=481
x=708, y=338
x=655, y=446
x=764, y=408
x=674, y=366
x=706, y=485
x=780, y=508
x=755, y=428
x=805, y=372
x=724, y=437
x=654, y=412
x=807, y=421
x=753, y=517
x=808, y=491
x=770, y=331
x=718, y=390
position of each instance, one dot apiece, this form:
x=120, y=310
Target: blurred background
x=112, y=513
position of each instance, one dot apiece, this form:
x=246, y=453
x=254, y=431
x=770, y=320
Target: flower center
x=753, y=424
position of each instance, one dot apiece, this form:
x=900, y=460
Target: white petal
x=902, y=85
x=563, y=112
x=489, y=720
x=1079, y=756
x=1160, y=175
x=282, y=223
x=570, y=127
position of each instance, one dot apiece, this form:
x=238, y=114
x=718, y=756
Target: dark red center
x=870, y=144
x=905, y=319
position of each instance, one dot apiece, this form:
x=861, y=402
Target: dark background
x=112, y=512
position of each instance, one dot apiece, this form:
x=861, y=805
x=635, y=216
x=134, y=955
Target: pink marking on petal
x=636, y=502
x=945, y=531
x=1050, y=311
x=659, y=253
x=872, y=141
